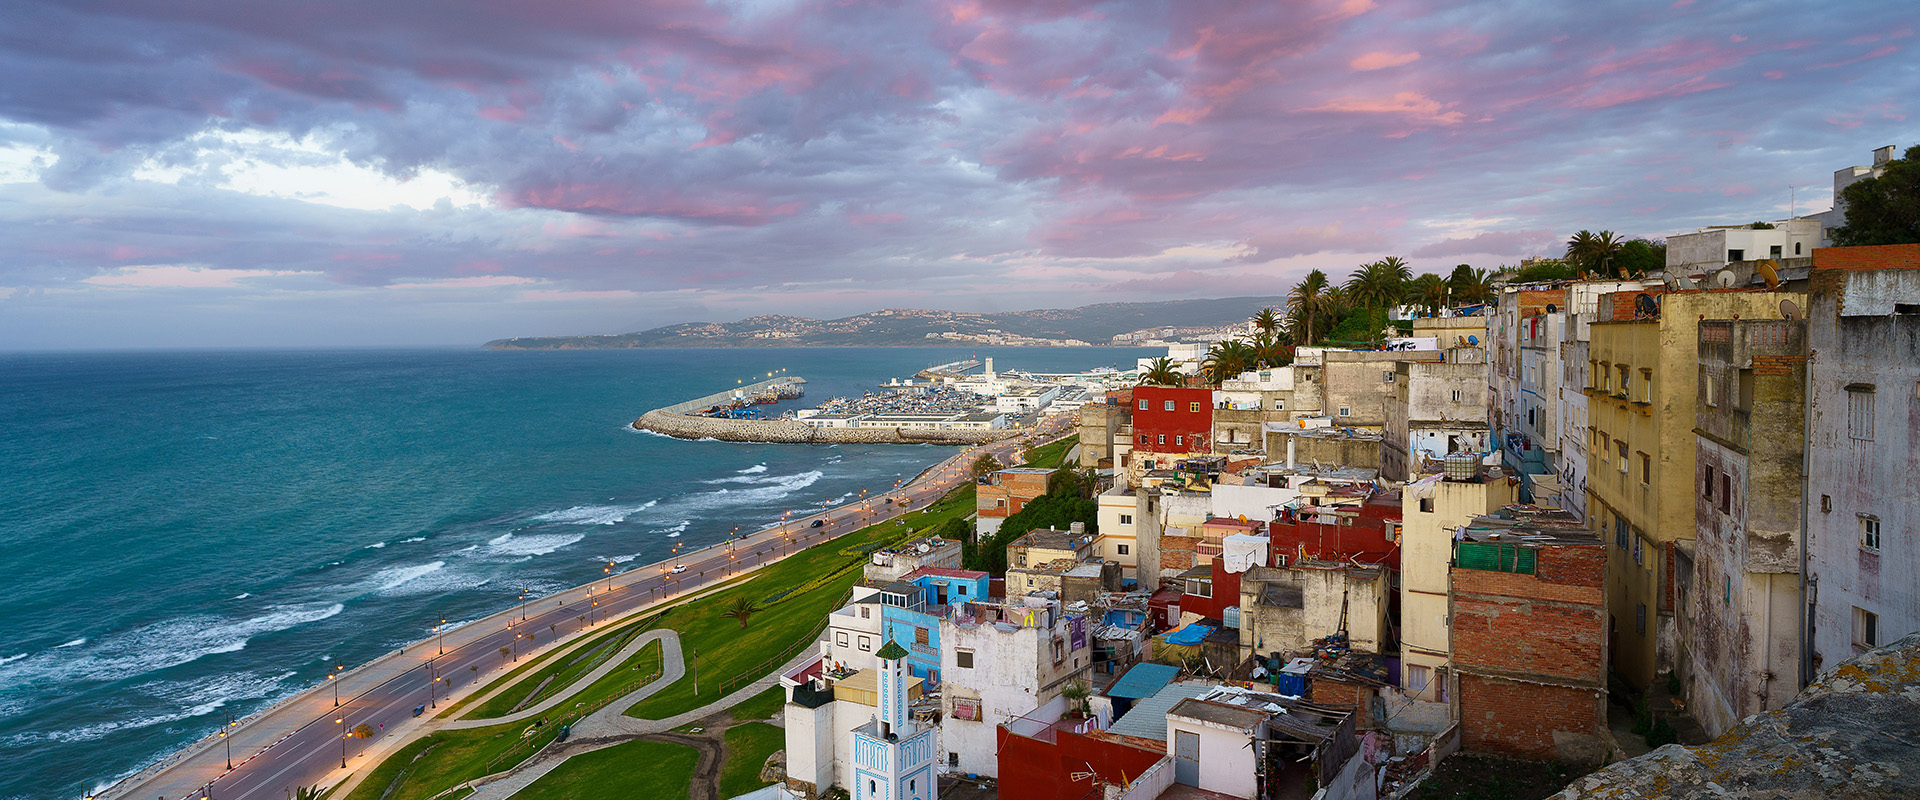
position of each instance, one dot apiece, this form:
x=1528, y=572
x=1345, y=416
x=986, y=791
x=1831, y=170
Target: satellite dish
x=1769, y=273
x=1724, y=278
x=1645, y=306
x=1789, y=310
x=1551, y=309
x=1473, y=340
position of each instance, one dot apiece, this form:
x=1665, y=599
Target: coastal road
x=303, y=741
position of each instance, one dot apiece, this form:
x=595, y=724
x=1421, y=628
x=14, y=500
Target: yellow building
x=1642, y=376
x=1432, y=508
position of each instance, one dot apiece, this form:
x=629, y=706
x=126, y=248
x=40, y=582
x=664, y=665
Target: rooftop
x=944, y=572
x=1026, y=471
x=1524, y=524
x=1050, y=539
x=1148, y=718
x=1143, y=680
x=1246, y=719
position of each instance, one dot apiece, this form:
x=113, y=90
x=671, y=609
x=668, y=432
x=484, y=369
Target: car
x=419, y=709
x=679, y=568
x=817, y=523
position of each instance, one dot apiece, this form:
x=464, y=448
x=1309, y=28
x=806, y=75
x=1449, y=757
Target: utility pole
x=696, y=669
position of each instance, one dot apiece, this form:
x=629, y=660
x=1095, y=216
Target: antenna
x=1789, y=310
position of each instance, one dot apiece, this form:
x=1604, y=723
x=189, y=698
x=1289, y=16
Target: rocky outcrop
x=775, y=431
x=1854, y=733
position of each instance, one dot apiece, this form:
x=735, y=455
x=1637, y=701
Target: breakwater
x=677, y=421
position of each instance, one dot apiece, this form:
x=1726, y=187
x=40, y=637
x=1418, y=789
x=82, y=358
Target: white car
x=679, y=568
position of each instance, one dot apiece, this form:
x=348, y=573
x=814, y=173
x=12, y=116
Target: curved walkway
x=610, y=726
x=672, y=668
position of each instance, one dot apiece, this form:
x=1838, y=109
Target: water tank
x=1077, y=527
x=1462, y=466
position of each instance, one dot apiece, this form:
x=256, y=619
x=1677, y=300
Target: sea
x=188, y=535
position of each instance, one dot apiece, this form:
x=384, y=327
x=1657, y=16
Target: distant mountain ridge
x=913, y=327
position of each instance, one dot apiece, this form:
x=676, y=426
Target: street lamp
x=342, y=722
x=442, y=630
x=228, y=741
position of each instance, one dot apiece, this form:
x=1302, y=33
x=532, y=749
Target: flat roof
x=1245, y=719
x=1143, y=680
x=1148, y=718
x=1523, y=524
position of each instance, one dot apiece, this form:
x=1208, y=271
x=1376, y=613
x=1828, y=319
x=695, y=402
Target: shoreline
x=179, y=757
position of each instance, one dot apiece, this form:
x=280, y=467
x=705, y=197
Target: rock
x=1851, y=734
x=775, y=770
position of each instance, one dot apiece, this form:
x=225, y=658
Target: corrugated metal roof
x=1143, y=680
x=1148, y=719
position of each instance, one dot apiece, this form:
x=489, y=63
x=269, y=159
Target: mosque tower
x=893, y=754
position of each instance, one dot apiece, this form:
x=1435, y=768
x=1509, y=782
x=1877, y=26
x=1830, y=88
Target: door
x=1186, y=757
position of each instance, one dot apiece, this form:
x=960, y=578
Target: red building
x=1363, y=526
x=1172, y=419
x=1529, y=630
x=1047, y=760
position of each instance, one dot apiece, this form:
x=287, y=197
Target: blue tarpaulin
x=1190, y=636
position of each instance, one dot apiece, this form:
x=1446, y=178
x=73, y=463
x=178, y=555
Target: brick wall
x=1518, y=719
x=1541, y=640
x=1347, y=695
x=1777, y=365
x=1886, y=256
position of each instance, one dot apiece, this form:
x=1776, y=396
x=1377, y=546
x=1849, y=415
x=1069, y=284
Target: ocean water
x=187, y=534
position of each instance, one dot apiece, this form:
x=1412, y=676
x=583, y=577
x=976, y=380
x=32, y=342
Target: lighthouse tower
x=893, y=754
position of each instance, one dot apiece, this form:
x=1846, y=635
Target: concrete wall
x=1862, y=342
x=1226, y=760
x=1656, y=419
x=1348, y=451
x=1430, y=513
x=1361, y=382
x=810, y=739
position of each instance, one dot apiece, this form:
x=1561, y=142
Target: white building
x=893, y=754
x=998, y=662
x=1842, y=178
x=832, y=716
x=1711, y=248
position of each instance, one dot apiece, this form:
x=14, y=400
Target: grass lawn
x=444, y=759
x=639, y=769
x=762, y=705
x=530, y=674
x=563, y=672
x=727, y=652
x=637, y=670
x=1051, y=455
x=747, y=748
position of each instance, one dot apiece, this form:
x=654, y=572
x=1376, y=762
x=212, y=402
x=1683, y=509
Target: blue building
x=911, y=616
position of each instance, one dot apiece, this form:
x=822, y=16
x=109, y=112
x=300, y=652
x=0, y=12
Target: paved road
x=301, y=742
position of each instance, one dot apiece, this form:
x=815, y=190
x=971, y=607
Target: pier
x=784, y=387
x=687, y=421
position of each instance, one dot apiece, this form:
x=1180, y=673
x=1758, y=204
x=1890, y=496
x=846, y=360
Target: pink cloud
x=1493, y=243
x=1383, y=60
x=1411, y=104
x=1881, y=52
x=182, y=277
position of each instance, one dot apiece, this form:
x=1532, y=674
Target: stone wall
x=681, y=426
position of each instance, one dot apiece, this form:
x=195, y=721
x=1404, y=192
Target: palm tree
x=1469, y=285
x=1305, y=296
x=1428, y=291
x=1266, y=321
x=1160, y=372
x=1581, y=250
x=307, y=793
x=1378, y=286
x=741, y=609
x=1270, y=351
x=1227, y=359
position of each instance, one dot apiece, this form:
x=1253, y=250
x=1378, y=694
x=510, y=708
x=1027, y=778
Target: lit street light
x=342, y=722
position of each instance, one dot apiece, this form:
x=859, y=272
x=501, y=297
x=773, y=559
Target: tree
x=1545, y=269
x=1593, y=252
x=1884, y=209
x=984, y=464
x=1305, y=298
x=1227, y=359
x=1640, y=256
x=362, y=731
x=506, y=652
x=740, y=610
x=1057, y=511
x=1468, y=285
x=306, y=793
x=1376, y=287
x=1160, y=372
x=1266, y=321
x=1429, y=292
x=1270, y=350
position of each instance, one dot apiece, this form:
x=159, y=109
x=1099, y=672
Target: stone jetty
x=674, y=421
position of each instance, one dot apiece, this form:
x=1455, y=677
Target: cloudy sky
x=345, y=172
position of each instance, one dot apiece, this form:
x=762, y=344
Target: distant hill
x=912, y=327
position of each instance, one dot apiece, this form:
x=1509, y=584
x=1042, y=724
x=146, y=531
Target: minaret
x=893, y=689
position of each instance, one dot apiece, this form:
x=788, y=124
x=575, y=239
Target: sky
x=443, y=172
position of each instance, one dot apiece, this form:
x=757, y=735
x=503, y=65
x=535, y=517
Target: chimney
x=1290, y=452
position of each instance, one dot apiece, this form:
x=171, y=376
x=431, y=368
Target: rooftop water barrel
x=1462, y=466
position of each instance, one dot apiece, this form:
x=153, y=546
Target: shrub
x=1662, y=733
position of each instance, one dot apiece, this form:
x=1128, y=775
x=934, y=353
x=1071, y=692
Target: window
x=1736, y=254
x=1626, y=380
x=1279, y=405
x=1706, y=486
x=1167, y=406
x=1426, y=505
x=1640, y=619
x=1860, y=412
x=1417, y=677
x=1638, y=554
x=1200, y=587
x=1826, y=504
x=841, y=639
x=1713, y=393
x=1796, y=248
x=1345, y=411
x=1773, y=251
x=963, y=659
x=1456, y=395
x=1745, y=388
x=1178, y=439
x=1726, y=493
x=1386, y=377
x=1870, y=532
x=866, y=612
x=920, y=636
x=1646, y=469
x=1726, y=590
x=1143, y=439
x=1121, y=549
x=1646, y=385
x=1059, y=650
x=1143, y=405
x=866, y=643
x=1619, y=532
x=1193, y=408
x=1621, y=448
x=953, y=759
x=1126, y=519
x=1163, y=438
x=1865, y=625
